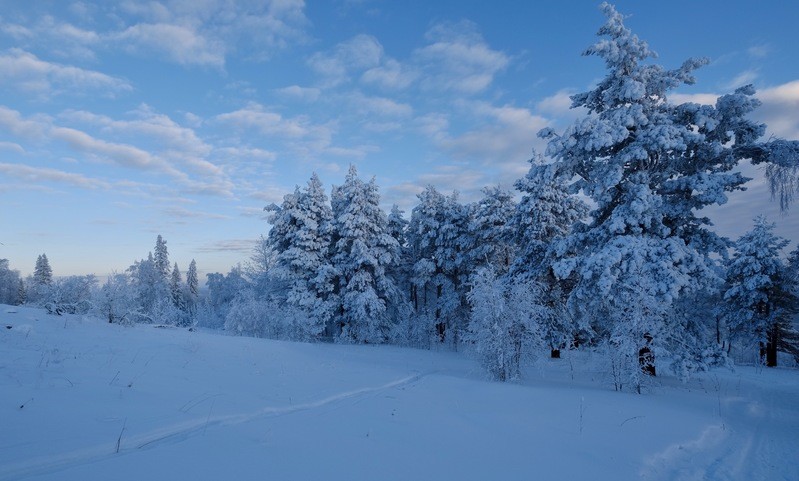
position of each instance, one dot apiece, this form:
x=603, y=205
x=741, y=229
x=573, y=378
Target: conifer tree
x=649, y=166
x=760, y=300
x=161, y=258
x=43, y=273
x=363, y=253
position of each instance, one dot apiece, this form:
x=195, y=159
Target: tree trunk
x=646, y=358
x=771, y=346
x=554, y=353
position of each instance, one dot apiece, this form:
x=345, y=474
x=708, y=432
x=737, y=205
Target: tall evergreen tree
x=760, y=302
x=301, y=239
x=649, y=166
x=176, y=288
x=363, y=254
x=161, y=258
x=438, y=238
x=192, y=281
x=490, y=238
x=42, y=273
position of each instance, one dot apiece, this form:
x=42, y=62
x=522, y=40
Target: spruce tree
x=760, y=300
x=363, y=255
x=161, y=258
x=42, y=273
x=649, y=166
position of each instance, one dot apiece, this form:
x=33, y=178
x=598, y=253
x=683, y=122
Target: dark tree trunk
x=554, y=353
x=646, y=358
x=771, y=346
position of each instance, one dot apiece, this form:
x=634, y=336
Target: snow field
x=81, y=399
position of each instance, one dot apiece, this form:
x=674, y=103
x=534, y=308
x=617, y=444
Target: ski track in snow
x=741, y=447
x=179, y=432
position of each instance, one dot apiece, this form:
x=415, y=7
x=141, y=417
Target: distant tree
x=116, y=300
x=10, y=283
x=161, y=258
x=192, y=286
x=42, y=273
x=760, y=299
x=176, y=288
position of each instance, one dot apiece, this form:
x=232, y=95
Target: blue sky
x=123, y=120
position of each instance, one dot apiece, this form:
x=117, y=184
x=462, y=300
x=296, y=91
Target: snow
x=82, y=399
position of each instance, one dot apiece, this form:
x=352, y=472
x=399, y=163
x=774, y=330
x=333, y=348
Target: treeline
x=640, y=275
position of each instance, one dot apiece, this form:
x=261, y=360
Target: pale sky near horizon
x=123, y=120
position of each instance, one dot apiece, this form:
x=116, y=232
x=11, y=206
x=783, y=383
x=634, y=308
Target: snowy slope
x=81, y=399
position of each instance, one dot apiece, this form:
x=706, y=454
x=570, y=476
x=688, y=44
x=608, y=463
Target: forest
x=602, y=246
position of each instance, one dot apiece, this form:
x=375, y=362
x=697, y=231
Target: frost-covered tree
x=116, y=300
x=505, y=324
x=70, y=295
x=545, y=214
x=490, y=241
x=437, y=236
x=759, y=299
x=161, y=258
x=192, y=285
x=300, y=238
x=152, y=289
x=649, y=166
x=42, y=272
x=176, y=287
x=10, y=282
x=363, y=254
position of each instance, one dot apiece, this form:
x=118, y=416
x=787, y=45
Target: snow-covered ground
x=82, y=400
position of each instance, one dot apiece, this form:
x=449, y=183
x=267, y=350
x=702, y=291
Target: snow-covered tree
x=300, y=238
x=759, y=299
x=152, y=289
x=10, y=282
x=437, y=236
x=116, y=300
x=506, y=322
x=192, y=286
x=546, y=213
x=69, y=295
x=43, y=273
x=490, y=241
x=161, y=258
x=649, y=166
x=363, y=254
x=176, y=287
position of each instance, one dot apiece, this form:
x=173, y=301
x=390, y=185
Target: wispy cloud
x=40, y=174
x=228, y=245
x=459, y=59
x=357, y=54
x=23, y=71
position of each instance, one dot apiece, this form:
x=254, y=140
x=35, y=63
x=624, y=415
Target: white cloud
x=779, y=109
x=380, y=106
x=12, y=121
x=458, y=59
x=12, y=147
x=391, y=75
x=744, y=78
x=25, y=72
x=41, y=174
x=120, y=154
x=254, y=116
x=508, y=135
x=305, y=94
x=178, y=43
x=357, y=54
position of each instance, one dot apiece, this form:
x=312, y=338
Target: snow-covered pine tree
x=363, y=253
x=42, y=273
x=760, y=302
x=545, y=214
x=490, y=241
x=649, y=166
x=192, y=286
x=176, y=288
x=437, y=238
x=161, y=258
x=301, y=240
